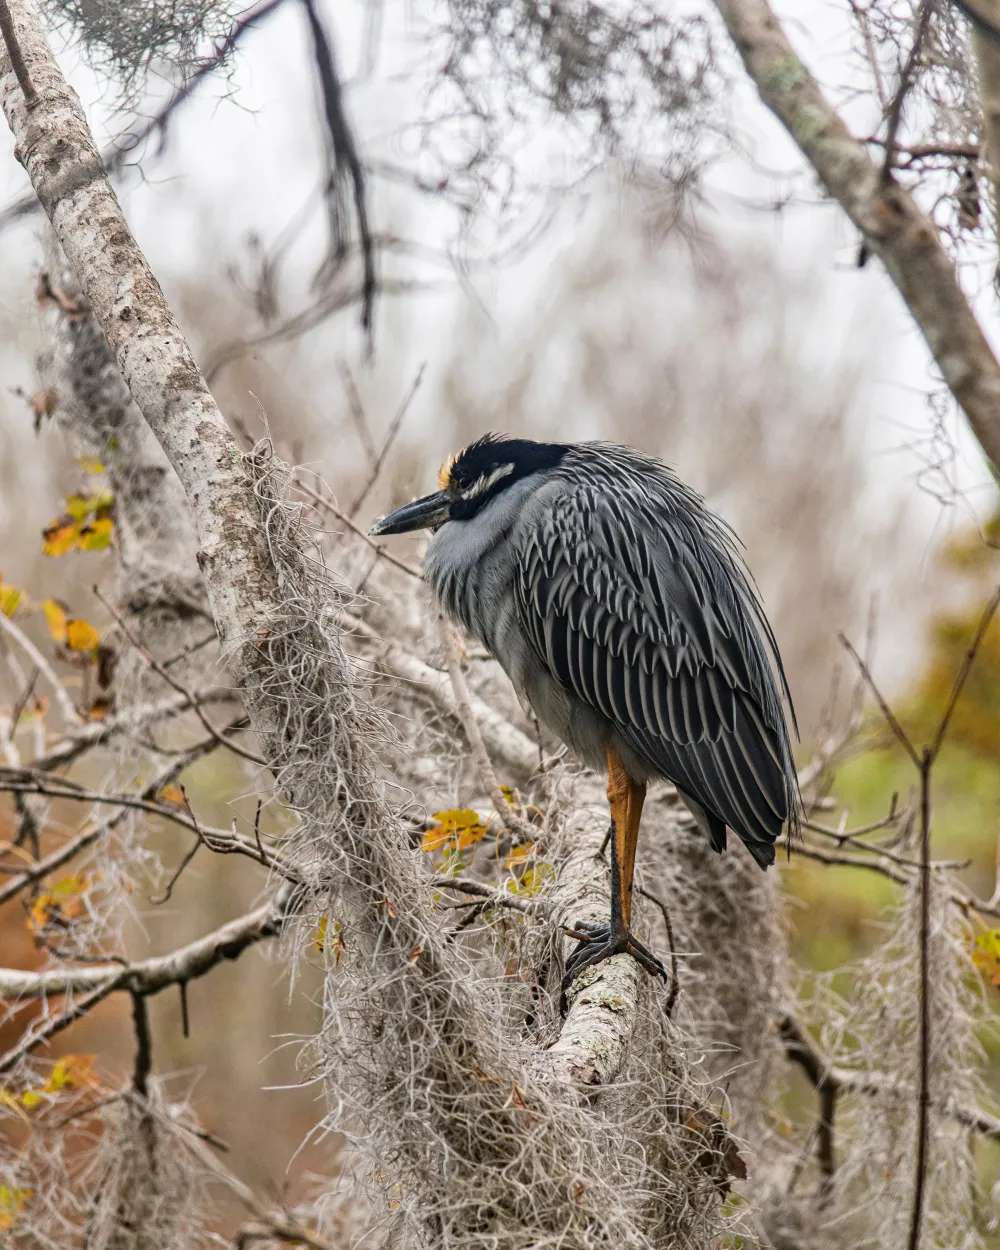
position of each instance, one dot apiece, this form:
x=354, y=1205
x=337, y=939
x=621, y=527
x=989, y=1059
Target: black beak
x=422, y=514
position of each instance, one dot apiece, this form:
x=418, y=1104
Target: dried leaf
x=100, y=709
x=81, y=636
x=55, y=618
x=172, y=794
x=60, y=536
x=43, y=404
x=107, y=658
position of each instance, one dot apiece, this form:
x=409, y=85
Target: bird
x=622, y=610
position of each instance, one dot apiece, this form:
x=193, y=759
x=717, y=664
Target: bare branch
x=181, y=689
x=16, y=59
x=149, y=976
x=893, y=226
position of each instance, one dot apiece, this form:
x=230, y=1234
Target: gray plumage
x=621, y=610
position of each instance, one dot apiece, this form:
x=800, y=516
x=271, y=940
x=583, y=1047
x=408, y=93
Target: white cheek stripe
x=485, y=483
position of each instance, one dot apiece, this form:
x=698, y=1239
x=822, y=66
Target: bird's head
x=468, y=480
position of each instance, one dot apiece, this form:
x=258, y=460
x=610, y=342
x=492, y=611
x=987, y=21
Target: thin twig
x=332, y=508
x=70, y=713
x=379, y=458
x=905, y=78
x=346, y=163
x=967, y=662
x=494, y=897
x=923, y=1103
x=884, y=707
x=158, y=668
x=675, y=985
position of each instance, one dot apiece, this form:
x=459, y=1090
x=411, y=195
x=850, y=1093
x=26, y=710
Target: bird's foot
x=597, y=943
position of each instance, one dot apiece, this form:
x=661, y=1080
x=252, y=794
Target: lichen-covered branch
x=893, y=226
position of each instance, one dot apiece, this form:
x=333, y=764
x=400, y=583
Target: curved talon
x=597, y=943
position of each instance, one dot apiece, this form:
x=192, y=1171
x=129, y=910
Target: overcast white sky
x=248, y=162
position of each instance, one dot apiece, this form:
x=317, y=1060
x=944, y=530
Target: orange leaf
x=60, y=536
x=172, y=794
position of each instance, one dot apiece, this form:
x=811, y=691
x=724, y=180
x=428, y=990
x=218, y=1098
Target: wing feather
x=648, y=616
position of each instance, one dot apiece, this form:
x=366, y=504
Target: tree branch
x=149, y=976
x=893, y=226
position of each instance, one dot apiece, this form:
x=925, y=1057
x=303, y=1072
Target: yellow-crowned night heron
x=620, y=608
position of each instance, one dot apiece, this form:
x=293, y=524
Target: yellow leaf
x=30, y=1098
x=535, y=879
x=90, y=466
x=77, y=883
x=79, y=507
x=986, y=954
x=457, y=828
x=172, y=794
x=71, y=1072
x=434, y=838
x=59, y=901
x=96, y=534
x=13, y=1200
x=81, y=636
x=60, y=536
x=55, y=618
x=329, y=935
x=10, y=599
x=518, y=854
x=7, y=1099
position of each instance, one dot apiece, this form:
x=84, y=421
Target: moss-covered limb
x=892, y=224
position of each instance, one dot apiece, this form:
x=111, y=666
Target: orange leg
x=600, y=941
x=625, y=798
